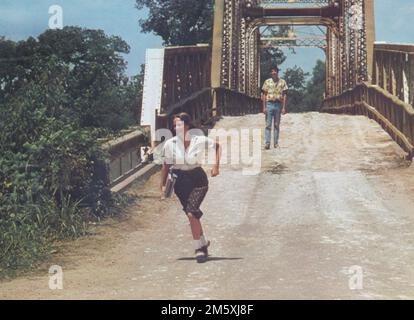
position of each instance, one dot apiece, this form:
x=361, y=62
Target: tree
x=305, y=96
x=58, y=94
x=296, y=80
x=7, y=67
x=179, y=22
x=92, y=69
x=315, y=88
x=121, y=106
x=96, y=67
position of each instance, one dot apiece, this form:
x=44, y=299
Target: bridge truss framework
x=348, y=46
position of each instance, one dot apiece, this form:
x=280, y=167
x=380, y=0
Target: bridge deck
x=337, y=194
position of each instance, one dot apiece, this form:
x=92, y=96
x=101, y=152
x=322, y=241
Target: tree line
x=59, y=93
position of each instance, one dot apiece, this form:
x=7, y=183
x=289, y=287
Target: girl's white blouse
x=201, y=148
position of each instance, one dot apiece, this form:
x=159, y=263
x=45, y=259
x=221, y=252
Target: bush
x=28, y=225
x=53, y=108
x=50, y=185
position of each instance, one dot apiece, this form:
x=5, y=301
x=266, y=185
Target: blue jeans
x=273, y=112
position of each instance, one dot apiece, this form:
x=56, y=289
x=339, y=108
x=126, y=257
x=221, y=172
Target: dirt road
x=332, y=210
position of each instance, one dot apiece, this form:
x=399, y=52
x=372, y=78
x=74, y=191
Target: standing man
x=274, y=104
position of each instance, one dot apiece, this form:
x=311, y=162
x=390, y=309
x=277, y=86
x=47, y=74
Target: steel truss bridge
x=207, y=81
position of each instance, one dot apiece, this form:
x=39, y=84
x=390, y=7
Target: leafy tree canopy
x=296, y=78
x=315, y=89
x=178, y=22
x=58, y=94
x=305, y=96
x=89, y=67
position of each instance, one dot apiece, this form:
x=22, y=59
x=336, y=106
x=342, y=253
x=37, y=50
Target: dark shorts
x=191, y=188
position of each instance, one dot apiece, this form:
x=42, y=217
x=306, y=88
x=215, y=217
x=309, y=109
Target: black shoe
x=201, y=256
x=205, y=248
x=202, y=253
x=276, y=146
x=267, y=147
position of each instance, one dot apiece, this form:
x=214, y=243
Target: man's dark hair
x=275, y=67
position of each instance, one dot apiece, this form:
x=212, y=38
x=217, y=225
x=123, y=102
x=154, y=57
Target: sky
x=20, y=19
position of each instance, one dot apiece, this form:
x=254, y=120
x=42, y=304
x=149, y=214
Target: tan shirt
x=275, y=90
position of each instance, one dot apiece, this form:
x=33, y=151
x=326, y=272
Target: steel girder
x=236, y=47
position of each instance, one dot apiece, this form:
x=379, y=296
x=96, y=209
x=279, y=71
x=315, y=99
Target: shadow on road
x=210, y=259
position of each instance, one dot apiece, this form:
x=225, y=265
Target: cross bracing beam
x=324, y=12
x=292, y=38
x=298, y=21
x=272, y=3
x=275, y=42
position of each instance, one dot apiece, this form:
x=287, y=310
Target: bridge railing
x=125, y=155
x=186, y=87
x=394, y=115
x=394, y=70
x=233, y=103
x=199, y=107
x=187, y=71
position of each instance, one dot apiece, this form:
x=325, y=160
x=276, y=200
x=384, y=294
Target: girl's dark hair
x=186, y=118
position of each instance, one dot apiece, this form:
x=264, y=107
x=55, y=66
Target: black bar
x=180, y=310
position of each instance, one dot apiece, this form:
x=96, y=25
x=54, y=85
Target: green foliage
x=58, y=94
x=296, y=80
x=51, y=175
x=86, y=65
x=120, y=106
x=315, y=89
x=178, y=22
x=305, y=96
x=28, y=223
